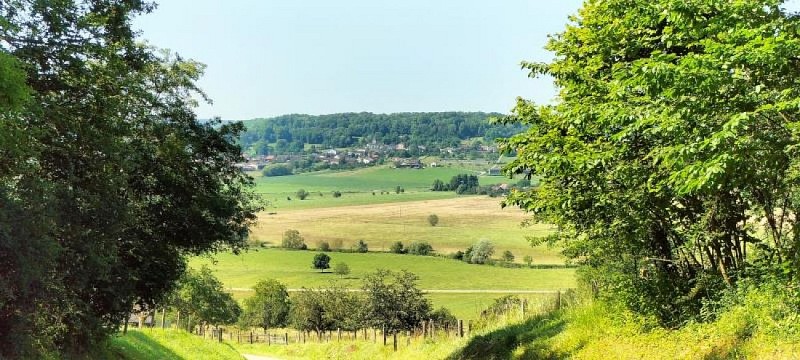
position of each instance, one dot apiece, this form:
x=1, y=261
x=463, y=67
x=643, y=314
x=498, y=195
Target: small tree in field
x=361, y=247
x=341, y=269
x=323, y=246
x=528, y=260
x=268, y=308
x=397, y=248
x=508, y=256
x=321, y=262
x=293, y=240
x=433, y=219
x=302, y=194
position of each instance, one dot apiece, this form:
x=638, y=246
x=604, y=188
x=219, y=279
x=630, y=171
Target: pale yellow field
x=462, y=222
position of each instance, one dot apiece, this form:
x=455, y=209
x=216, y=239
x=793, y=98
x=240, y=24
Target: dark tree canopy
x=669, y=162
x=107, y=179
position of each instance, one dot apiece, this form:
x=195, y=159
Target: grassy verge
x=163, y=344
x=759, y=328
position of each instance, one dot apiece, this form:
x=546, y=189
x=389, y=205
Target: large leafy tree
x=393, y=300
x=669, y=160
x=268, y=307
x=109, y=160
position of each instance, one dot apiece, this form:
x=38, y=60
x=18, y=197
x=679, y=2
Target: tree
x=338, y=194
x=202, y=296
x=481, y=252
x=508, y=256
x=301, y=194
x=433, y=219
x=268, y=307
x=293, y=240
x=341, y=269
x=528, y=260
x=420, y=248
x=361, y=247
x=682, y=114
x=323, y=246
x=122, y=180
x=308, y=311
x=394, y=301
x=321, y=262
x=397, y=248
x=397, y=189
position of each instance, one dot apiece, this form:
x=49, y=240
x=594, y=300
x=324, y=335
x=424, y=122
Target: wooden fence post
x=558, y=300
x=461, y=328
x=374, y=335
x=394, y=335
x=424, y=329
x=163, y=317
x=286, y=338
x=338, y=334
x=384, y=335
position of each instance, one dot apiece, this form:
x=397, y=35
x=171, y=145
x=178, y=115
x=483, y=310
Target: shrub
x=341, y=269
x=361, y=247
x=482, y=252
x=338, y=194
x=397, y=248
x=508, y=256
x=302, y=194
x=420, y=248
x=528, y=260
x=321, y=262
x=323, y=246
x=433, y=219
x=293, y=240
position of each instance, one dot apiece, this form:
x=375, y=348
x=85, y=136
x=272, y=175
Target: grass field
x=293, y=268
x=358, y=185
x=462, y=222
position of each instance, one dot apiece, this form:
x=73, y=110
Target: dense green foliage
x=461, y=184
x=669, y=162
x=107, y=181
x=393, y=301
x=293, y=240
x=201, y=296
x=289, y=133
x=321, y=262
x=268, y=307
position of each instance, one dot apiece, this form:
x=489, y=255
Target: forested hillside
x=289, y=133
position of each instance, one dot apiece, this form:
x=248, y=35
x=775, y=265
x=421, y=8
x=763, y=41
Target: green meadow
x=293, y=268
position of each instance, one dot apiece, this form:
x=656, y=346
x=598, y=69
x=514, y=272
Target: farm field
x=358, y=185
x=463, y=220
x=293, y=268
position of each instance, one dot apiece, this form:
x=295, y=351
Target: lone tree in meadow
x=481, y=252
x=293, y=240
x=433, y=219
x=301, y=194
x=341, y=269
x=268, y=307
x=361, y=247
x=528, y=260
x=508, y=256
x=397, y=248
x=321, y=262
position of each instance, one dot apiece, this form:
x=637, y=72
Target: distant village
x=371, y=154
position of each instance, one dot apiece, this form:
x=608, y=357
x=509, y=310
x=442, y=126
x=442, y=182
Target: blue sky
x=272, y=57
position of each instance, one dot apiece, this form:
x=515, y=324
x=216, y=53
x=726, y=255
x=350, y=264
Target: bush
x=458, y=255
x=293, y=240
x=482, y=252
x=361, y=247
x=528, y=260
x=323, y=246
x=433, y=219
x=277, y=170
x=338, y=194
x=321, y=262
x=341, y=269
x=420, y=248
x=397, y=248
x=302, y=194
x=508, y=256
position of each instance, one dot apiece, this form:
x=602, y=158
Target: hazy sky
x=270, y=57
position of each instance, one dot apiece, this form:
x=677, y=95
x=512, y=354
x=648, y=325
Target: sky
x=272, y=57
